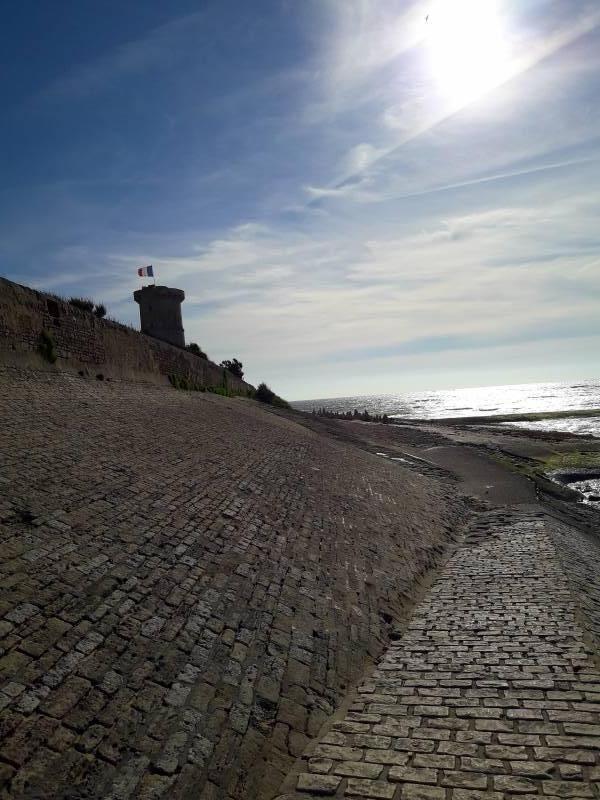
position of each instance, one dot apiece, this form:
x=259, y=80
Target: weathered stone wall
x=190, y=586
x=84, y=341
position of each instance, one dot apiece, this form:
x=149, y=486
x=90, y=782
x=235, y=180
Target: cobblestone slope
x=491, y=693
x=189, y=586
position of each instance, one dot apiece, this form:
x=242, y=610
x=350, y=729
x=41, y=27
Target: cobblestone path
x=490, y=693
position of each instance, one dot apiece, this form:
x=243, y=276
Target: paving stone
x=567, y=789
x=472, y=794
x=482, y=764
x=358, y=769
x=416, y=791
x=463, y=779
x=413, y=775
x=359, y=787
x=318, y=784
x=434, y=761
x=386, y=757
x=514, y=784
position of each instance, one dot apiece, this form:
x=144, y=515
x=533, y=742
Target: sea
x=482, y=401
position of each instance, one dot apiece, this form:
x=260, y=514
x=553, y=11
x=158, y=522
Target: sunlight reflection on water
x=483, y=401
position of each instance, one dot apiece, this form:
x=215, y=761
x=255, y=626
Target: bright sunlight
x=468, y=48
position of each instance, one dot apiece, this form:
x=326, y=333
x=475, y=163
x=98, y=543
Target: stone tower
x=160, y=313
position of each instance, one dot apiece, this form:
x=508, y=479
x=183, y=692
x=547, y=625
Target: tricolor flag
x=146, y=272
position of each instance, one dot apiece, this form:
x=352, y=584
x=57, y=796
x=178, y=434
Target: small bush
x=267, y=395
x=46, y=347
x=196, y=350
x=234, y=366
x=100, y=310
x=83, y=303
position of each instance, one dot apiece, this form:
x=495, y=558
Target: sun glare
x=467, y=48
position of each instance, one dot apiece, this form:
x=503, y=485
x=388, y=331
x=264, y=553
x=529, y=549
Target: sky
x=357, y=196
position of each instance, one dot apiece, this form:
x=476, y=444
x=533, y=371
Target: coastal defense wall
x=190, y=586
x=81, y=340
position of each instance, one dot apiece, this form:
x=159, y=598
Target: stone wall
x=82, y=341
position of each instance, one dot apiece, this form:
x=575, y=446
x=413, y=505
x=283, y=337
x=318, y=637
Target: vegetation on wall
x=267, y=395
x=234, y=366
x=83, y=303
x=192, y=347
x=86, y=304
x=46, y=347
x=190, y=385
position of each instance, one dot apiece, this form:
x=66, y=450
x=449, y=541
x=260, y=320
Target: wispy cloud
x=131, y=58
x=417, y=114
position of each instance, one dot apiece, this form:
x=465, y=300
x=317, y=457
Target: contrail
x=519, y=66
x=500, y=176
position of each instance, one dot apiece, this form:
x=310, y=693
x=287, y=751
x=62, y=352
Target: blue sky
x=357, y=196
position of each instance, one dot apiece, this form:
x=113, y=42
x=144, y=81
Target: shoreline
x=495, y=419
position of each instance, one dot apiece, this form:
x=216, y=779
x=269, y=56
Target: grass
x=578, y=459
x=83, y=303
x=535, y=471
x=189, y=385
x=46, y=347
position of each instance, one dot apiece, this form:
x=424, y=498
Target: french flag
x=146, y=272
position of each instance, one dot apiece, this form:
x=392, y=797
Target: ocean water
x=482, y=401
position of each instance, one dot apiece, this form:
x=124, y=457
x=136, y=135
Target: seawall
x=84, y=342
x=191, y=586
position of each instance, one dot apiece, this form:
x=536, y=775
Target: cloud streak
x=536, y=52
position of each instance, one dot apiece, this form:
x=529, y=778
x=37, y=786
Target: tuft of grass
x=46, y=347
x=577, y=459
x=186, y=384
x=100, y=310
x=83, y=303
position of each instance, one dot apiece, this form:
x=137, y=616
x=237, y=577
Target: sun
x=467, y=48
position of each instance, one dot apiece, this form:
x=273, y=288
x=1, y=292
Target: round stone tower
x=160, y=313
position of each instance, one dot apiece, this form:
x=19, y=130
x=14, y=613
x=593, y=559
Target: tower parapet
x=160, y=313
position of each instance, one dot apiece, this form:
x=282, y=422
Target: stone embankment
x=191, y=585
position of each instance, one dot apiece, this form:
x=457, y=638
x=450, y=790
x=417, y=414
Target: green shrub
x=46, y=347
x=100, y=310
x=194, y=348
x=234, y=366
x=267, y=395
